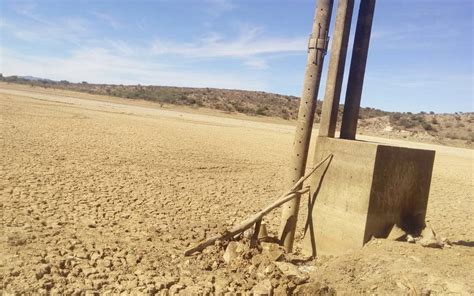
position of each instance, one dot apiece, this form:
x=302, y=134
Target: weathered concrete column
x=337, y=62
x=357, y=70
x=317, y=48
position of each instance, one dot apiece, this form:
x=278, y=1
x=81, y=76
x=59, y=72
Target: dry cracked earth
x=103, y=195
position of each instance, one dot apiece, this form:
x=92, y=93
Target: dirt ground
x=103, y=195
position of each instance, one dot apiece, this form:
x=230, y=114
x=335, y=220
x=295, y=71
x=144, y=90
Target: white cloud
x=83, y=55
x=217, y=7
x=413, y=35
x=418, y=79
x=257, y=63
x=246, y=44
x=101, y=65
x=71, y=29
x=119, y=46
x=108, y=19
x=250, y=45
x=27, y=10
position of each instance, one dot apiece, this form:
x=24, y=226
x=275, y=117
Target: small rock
x=263, y=288
x=397, y=234
x=81, y=254
x=105, y=262
x=176, y=288
x=428, y=232
x=272, y=251
x=429, y=239
x=91, y=293
x=401, y=285
x=42, y=270
x=16, y=240
x=98, y=284
x=306, y=268
x=165, y=282
x=446, y=242
x=95, y=256
x=15, y=272
x=63, y=272
x=257, y=260
x=416, y=259
x=282, y=290
x=292, y=272
x=48, y=284
x=133, y=283
x=233, y=251
x=410, y=239
x=313, y=288
x=62, y=264
x=297, y=258
x=88, y=271
x=131, y=259
x=220, y=285
x=248, y=233
x=269, y=269
x=431, y=243
x=218, y=243
x=251, y=269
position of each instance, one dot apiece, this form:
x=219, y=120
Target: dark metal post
x=317, y=48
x=357, y=70
x=337, y=62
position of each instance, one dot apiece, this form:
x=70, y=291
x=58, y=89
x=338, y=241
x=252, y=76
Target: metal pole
x=317, y=48
x=342, y=28
x=357, y=70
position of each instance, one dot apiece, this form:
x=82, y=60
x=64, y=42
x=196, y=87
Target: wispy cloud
x=28, y=10
x=87, y=56
x=256, y=63
x=217, y=7
x=412, y=35
x=108, y=19
x=250, y=45
x=420, y=79
x=102, y=65
x=71, y=29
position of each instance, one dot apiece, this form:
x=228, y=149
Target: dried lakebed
x=99, y=196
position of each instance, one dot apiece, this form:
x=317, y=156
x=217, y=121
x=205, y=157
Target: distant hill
x=452, y=129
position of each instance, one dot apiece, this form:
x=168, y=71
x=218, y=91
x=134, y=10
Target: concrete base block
x=365, y=190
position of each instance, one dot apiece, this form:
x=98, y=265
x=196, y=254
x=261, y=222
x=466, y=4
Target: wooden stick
x=248, y=223
x=256, y=230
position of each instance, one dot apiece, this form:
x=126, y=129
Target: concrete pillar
x=357, y=70
x=317, y=48
x=337, y=62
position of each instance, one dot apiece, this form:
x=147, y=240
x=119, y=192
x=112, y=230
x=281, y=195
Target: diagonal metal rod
x=337, y=62
x=317, y=48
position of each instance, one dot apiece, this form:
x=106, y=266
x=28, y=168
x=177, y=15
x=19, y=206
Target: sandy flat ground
x=103, y=194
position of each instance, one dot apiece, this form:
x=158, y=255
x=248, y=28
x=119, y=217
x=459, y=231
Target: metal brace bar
x=320, y=44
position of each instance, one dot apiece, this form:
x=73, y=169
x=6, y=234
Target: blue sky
x=421, y=54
